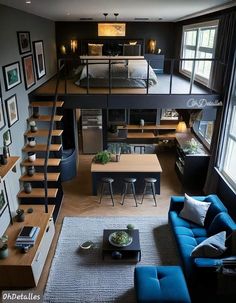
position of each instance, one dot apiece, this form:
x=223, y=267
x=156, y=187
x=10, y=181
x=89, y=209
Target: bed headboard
x=115, y=46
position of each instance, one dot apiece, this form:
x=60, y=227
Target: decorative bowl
x=120, y=239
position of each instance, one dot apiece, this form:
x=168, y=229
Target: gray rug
x=84, y=277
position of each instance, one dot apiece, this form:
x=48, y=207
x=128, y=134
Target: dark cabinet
x=156, y=62
x=191, y=167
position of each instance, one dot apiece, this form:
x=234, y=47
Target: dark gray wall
x=163, y=32
x=11, y=21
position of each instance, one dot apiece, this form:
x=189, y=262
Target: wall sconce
x=73, y=45
x=63, y=50
x=181, y=127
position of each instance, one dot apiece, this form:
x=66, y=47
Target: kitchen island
x=137, y=166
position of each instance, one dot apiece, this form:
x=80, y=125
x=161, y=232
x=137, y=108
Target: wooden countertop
x=149, y=127
x=130, y=163
x=37, y=218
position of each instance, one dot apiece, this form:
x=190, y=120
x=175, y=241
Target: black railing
x=49, y=139
x=172, y=67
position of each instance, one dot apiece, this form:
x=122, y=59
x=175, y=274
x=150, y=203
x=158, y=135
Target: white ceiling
x=155, y=10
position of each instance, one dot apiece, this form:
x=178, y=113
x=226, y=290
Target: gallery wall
x=11, y=21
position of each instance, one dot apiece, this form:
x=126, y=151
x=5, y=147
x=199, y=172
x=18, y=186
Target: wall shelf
x=11, y=163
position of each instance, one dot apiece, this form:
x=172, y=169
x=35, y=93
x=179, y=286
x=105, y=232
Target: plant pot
x=31, y=156
x=30, y=171
x=31, y=141
x=20, y=218
x=27, y=188
x=33, y=129
x=4, y=253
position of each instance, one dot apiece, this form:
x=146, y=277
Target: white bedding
x=128, y=69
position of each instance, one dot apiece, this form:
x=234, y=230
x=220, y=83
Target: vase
x=4, y=253
x=27, y=188
x=33, y=129
x=31, y=156
x=31, y=141
x=30, y=171
x=20, y=217
x=3, y=160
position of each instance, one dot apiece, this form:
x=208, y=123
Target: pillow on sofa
x=212, y=247
x=194, y=210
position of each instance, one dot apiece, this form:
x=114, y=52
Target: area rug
x=82, y=276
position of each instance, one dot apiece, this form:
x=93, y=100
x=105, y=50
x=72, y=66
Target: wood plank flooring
x=79, y=202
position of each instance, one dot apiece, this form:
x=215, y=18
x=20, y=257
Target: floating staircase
x=55, y=193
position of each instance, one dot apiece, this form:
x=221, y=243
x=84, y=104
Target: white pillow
x=194, y=210
x=212, y=247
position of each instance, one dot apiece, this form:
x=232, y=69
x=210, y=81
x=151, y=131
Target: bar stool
x=129, y=182
x=150, y=182
x=107, y=181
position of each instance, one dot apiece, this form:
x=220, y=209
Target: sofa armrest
x=209, y=262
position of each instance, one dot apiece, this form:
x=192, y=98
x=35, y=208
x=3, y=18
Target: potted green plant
x=20, y=215
x=3, y=247
x=103, y=157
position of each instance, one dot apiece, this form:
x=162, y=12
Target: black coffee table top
x=134, y=246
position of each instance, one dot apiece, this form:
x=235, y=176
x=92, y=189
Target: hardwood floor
x=79, y=202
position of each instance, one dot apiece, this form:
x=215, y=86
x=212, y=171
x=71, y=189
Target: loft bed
x=130, y=78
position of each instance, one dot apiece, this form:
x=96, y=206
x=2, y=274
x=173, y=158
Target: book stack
x=27, y=236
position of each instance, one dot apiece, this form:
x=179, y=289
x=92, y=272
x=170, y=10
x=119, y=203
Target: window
x=228, y=159
x=205, y=130
x=198, y=42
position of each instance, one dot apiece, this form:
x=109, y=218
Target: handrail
x=49, y=139
x=110, y=60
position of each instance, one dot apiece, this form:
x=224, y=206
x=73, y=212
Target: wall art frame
x=12, y=110
x=24, y=42
x=12, y=75
x=39, y=58
x=28, y=71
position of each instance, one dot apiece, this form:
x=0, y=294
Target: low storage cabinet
x=23, y=270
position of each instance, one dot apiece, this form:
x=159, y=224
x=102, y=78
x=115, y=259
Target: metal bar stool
x=150, y=182
x=129, y=182
x=107, y=181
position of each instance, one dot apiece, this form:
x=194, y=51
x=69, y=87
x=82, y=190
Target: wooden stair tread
x=41, y=147
x=44, y=133
x=46, y=103
x=40, y=177
x=38, y=193
x=46, y=118
x=40, y=162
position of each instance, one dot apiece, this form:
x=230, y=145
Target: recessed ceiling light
x=28, y=2
x=68, y=14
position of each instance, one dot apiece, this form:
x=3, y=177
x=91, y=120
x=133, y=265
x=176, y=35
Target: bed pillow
x=212, y=247
x=95, y=49
x=194, y=210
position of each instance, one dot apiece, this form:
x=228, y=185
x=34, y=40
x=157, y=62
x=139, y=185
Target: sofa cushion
x=194, y=210
x=212, y=247
x=215, y=208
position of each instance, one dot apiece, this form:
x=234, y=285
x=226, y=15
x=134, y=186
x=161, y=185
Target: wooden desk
x=138, y=166
x=23, y=270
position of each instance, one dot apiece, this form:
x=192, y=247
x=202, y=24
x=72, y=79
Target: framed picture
x=28, y=70
x=7, y=138
x=12, y=110
x=24, y=42
x=169, y=114
x=39, y=58
x=12, y=76
x=2, y=117
x=3, y=203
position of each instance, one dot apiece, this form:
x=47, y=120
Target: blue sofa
x=188, y=235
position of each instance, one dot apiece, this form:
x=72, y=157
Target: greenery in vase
x=120, y=237
x=103, y=157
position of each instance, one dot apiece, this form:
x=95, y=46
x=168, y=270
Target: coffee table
x=131, y=252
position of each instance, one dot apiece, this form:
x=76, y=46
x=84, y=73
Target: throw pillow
x=194, y=210
x=212, y=247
